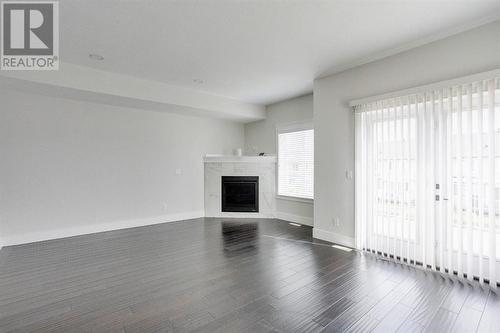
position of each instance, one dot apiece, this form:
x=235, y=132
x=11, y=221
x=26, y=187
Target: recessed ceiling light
x=198, y=81
x=95, y=56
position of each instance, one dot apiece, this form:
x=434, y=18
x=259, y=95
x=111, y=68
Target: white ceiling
x=253, y=51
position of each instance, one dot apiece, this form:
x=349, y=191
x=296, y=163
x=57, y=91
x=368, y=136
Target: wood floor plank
x=457, y=296
x=410, y=326
x=365, y=324
x=430, y=301
x=394, y=319
x=443, y=321
x=333, y=311
x=490, y=320
x=477, y=296
x=467, y=320
x=351, y=315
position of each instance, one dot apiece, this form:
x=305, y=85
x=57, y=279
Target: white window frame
x=287, y=128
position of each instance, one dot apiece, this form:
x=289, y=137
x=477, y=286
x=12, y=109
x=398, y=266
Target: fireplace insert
x=240, y=194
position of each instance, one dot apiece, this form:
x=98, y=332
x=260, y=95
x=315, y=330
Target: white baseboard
x=91, y=229
x=334, y=237
x=241, y=215
x=295, y=218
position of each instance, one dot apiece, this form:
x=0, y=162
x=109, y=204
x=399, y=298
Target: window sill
x=296, y=199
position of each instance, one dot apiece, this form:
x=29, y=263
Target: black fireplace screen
x=240, y=194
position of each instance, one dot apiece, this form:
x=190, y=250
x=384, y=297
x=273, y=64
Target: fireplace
x=240, y=194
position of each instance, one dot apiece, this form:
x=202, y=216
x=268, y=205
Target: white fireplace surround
x=217, y=166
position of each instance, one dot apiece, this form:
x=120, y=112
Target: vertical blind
x=296, y=163
x=428, y=178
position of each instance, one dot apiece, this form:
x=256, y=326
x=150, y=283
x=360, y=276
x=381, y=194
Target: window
x=296, y=161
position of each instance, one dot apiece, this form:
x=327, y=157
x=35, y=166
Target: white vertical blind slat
x=425, y=180
x=442, y=175
x=468, y=177
x=432, y=185
x=416, y=173
x=401, y=182
x=371, y=172
x=420, y=185
x=358, y=180
x=385, y=177
x=449, y=181
x=379, y=182
x=491, y=183
x=395, y=181
x=408, y=178
x=459, y=161
x=480, y=200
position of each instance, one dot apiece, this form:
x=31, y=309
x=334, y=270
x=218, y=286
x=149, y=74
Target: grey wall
x=260, y=136
x=467, y=53
x=71, y=167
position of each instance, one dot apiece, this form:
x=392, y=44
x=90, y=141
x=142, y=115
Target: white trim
x=91, y=229
x=334, y=237
x=296, y=199
x=243, y=215
x=428, y=87
x=238, y=159
x=295, y=218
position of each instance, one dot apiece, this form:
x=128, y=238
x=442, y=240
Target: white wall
x=260, y=136
x=467, y=53
x=71, y=167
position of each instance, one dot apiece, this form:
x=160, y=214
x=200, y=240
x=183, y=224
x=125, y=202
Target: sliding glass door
x=428, y=178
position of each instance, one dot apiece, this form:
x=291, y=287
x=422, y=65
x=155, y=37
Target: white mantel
x=238, y=159
x=217, y=166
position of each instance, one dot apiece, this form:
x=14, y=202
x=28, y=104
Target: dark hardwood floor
x=227, y=275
